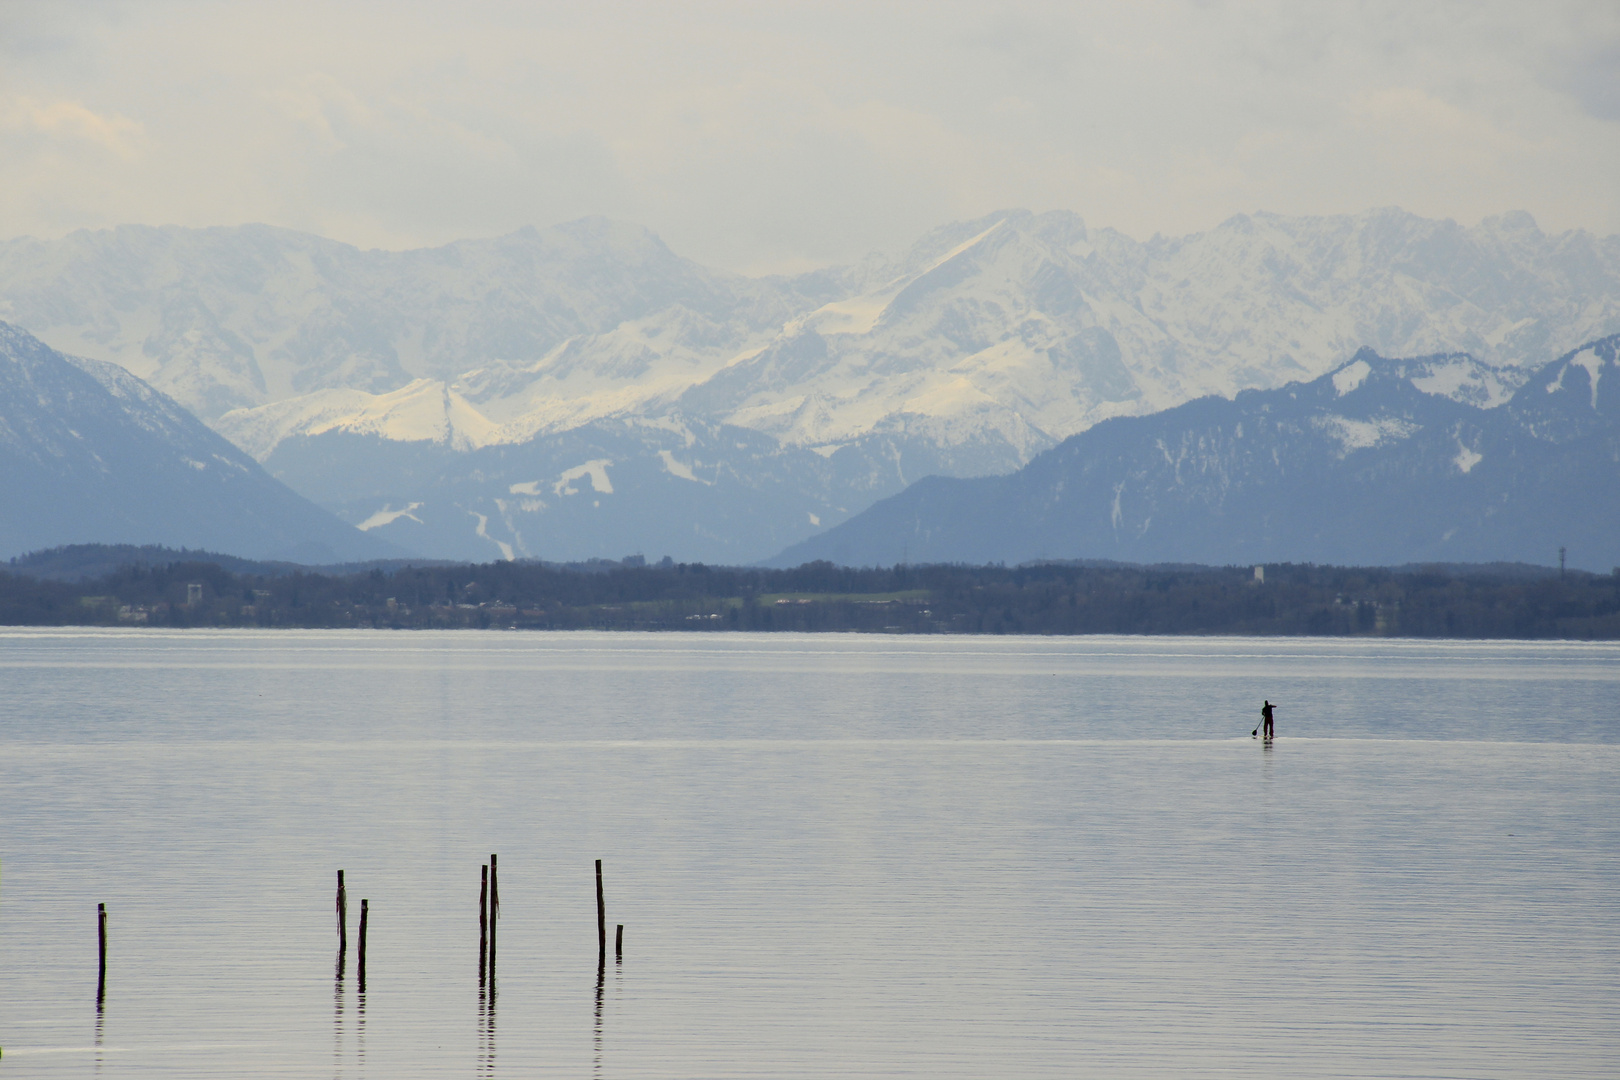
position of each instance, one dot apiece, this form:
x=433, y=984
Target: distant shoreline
x=1497, y=602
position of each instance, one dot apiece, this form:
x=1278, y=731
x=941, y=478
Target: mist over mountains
x=582, y=390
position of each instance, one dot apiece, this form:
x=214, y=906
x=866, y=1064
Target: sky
x=775, y=137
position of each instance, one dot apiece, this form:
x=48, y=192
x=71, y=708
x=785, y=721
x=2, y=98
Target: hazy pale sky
x=760, y=136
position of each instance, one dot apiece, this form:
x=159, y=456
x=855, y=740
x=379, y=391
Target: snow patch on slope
x=388, y=515
x=483, y=532
x=1467, y=381
x=1353, y=435
x=1592, y=363
x=1466, y=458
x=860, y=314
x=675, y=467
x=634, y=370
x=421, y=411
x=1350, y=376
x=595, y=469
x=857, y=315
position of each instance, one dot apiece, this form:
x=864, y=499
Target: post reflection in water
x=101, y=1020
x=601, y=978
x=486, y=1020
x=337, y=1019
x=338, y=1022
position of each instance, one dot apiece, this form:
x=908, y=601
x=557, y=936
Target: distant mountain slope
x=696, y=492
x=1018, y=330
x=1371, y=464
x=988, y=342
x=996, y=337
x=225, y=318
x=1034, y=316
x=89, y=453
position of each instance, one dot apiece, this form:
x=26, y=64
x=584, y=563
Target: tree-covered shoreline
x=1293, y=600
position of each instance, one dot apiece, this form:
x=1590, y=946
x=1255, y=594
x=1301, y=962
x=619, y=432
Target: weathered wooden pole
x=618, y=943
x=365, y=910
x=343, y=923
x=601, y=918
x=494, y=911
x=483, y=920
x=101, y=934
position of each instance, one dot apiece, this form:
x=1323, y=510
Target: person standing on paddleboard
x=1265, y=720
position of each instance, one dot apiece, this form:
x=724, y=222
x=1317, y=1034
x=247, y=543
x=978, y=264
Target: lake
x=833, y=855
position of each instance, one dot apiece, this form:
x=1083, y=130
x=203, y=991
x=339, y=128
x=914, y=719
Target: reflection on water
x=338, y=1029
x=337, y=1021
x=486, y=1018
x=101, y=1020
x=486, y=1026
x=601, y=985
x=840, y=856
x=601, y=977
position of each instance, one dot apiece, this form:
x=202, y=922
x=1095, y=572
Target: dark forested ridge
x=1366, y=464
x=1505, y=601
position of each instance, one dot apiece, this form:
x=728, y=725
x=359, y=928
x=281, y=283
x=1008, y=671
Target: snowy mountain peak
x=233, y=318
x=986, y=343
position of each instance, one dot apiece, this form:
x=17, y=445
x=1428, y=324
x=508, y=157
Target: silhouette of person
x=1265, y=720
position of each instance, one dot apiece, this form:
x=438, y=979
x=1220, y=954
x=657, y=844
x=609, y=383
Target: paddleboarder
x=1265, y=719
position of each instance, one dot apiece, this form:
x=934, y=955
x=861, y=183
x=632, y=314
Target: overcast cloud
x=780, y=136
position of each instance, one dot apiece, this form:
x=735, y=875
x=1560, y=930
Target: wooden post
x=483, y=920
x=343, y=922
x=601, y=918
x=494, y=911
x=101, y=934
x=365, y=910
x=618, y=943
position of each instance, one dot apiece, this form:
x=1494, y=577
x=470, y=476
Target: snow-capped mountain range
x=1377, y=462
x=424, y=393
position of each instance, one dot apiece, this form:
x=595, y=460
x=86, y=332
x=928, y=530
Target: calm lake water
x=833, y=855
